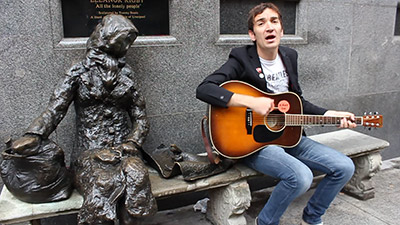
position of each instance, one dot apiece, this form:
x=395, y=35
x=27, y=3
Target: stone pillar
x=228, y=204
x=360, y=185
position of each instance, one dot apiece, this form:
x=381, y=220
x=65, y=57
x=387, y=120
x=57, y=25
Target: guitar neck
x=316, y=120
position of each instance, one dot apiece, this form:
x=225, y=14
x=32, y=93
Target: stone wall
x=348, y=59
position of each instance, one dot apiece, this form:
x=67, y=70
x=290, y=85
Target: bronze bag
x=38, y=177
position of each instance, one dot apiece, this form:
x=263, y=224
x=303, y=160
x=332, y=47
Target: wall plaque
x=80, y=17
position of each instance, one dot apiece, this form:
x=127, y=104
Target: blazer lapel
x=255, y=66
x=254, y=58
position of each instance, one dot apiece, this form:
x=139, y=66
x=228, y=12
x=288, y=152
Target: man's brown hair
x=258, y=9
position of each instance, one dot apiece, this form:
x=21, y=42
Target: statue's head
x=114, y=35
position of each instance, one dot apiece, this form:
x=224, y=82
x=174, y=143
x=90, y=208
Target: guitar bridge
x=249, y=121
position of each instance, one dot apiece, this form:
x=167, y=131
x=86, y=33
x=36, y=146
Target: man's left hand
x=348, y=118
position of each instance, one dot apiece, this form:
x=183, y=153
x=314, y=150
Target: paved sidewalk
x=384, y=209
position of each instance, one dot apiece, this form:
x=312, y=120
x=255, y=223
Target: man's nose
x=269, y=29
x=268, y=26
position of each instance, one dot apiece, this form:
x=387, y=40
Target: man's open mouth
x=270, y=37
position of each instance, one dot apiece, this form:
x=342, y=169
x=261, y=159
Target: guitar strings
x=291, y=119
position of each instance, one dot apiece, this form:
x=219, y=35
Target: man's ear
x=252, y=35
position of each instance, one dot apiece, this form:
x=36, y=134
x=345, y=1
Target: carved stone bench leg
x=228, y=204
x=360, y=185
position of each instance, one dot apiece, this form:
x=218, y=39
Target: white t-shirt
x=275, y=74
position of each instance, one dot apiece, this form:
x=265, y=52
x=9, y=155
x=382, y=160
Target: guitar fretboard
x=299, y=120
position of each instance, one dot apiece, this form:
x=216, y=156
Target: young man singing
x=273, y=69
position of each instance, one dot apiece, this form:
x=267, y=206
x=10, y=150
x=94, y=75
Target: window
x=233, y=15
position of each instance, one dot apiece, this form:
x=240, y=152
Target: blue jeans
x=293, y=167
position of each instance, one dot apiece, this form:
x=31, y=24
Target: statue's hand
x=129, y=148
x=26, y=144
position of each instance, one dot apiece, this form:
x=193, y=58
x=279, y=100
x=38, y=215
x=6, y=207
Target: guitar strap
x=214, y=159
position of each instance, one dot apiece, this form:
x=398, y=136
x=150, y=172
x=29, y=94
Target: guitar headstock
x=372, y=120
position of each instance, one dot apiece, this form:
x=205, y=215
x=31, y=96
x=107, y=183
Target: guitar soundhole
x=275, y=121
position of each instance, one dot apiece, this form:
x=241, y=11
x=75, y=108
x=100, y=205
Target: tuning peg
x=376, y=113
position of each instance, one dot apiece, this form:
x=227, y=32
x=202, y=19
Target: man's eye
x=260, y=24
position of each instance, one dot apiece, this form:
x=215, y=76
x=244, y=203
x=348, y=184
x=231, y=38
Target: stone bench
x=229, y=192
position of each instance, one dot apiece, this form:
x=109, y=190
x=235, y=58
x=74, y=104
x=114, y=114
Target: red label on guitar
x=283, y=106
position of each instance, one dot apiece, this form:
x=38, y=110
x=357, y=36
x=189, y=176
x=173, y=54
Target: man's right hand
x=259, y=105
x=26, y=142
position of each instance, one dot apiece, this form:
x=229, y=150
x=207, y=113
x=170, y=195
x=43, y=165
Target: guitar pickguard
x=262, y=134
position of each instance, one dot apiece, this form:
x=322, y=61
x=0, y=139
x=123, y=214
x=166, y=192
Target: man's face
x=267, y=30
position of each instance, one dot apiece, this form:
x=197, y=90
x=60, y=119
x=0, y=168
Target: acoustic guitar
x=236, y=132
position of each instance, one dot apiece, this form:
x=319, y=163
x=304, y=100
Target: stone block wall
x=348, y=59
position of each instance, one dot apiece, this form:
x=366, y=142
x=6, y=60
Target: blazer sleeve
x=210, y=91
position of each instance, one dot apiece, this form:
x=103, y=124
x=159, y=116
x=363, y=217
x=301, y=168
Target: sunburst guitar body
x=236, y=132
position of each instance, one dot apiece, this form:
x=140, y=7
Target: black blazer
x=242, y=65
